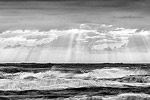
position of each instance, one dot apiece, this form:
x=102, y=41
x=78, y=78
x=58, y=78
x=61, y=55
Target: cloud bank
x=88, y=37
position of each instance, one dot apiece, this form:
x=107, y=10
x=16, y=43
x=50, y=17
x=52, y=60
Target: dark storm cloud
x=139, y=4
x=107, y=3
x=115, y=3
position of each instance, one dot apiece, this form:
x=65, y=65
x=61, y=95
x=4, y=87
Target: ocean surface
x=109, y=81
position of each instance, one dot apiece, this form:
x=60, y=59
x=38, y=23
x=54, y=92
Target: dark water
x=74, y=81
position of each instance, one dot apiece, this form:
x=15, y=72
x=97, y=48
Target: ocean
x=103, y=81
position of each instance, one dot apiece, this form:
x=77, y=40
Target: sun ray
x=70, y=48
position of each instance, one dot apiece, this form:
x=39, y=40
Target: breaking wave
x=111, y=73
x=103, y=73
x=58, y=79
x=76, y=83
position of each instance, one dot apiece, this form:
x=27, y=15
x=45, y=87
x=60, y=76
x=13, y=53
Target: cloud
x=27, y=37
x=90, y=37
x=110, y=38
x=30, y=38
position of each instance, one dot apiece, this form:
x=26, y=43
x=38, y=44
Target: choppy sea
x=24, y=81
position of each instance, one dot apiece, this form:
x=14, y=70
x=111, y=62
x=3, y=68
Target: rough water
x=75, y=81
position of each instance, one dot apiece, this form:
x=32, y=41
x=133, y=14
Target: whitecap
x=111, y=73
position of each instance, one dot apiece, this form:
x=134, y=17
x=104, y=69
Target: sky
x=86, y=31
